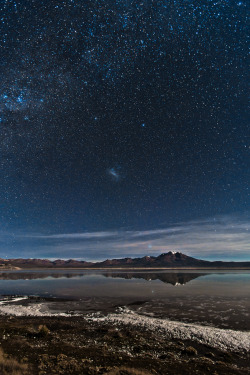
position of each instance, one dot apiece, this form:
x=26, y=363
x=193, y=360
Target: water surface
x=219, y=299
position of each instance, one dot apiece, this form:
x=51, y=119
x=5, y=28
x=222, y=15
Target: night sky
x=123, y=128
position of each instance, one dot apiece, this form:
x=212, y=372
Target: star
x=122, y=113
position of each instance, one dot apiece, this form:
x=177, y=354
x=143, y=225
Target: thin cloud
x=224, y=237
x=75, y=236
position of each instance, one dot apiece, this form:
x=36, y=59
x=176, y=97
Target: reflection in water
x=168, y=278
x=37, y=275
x=219, y=298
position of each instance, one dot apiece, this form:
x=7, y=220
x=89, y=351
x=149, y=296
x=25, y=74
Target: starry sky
x=124, y=128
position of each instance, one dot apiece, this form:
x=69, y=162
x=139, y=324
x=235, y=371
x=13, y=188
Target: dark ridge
x=165, y=260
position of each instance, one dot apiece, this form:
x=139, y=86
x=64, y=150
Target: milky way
x=149, y=94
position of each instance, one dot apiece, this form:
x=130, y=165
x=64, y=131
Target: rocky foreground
x=109, y=345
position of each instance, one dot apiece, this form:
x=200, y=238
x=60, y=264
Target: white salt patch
x=12, y=300
x=224, y=339
x=41, y=309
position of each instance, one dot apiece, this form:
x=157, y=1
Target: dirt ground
x=46, y=346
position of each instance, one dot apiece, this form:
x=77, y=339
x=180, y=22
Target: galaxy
x=123, y=117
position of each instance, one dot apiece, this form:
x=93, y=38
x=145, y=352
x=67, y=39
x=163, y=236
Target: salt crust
x=40, y=309
x=224, y=339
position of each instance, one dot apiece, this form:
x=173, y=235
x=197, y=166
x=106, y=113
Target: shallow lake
x=218, y=298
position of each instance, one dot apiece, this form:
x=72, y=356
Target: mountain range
x=165, y=260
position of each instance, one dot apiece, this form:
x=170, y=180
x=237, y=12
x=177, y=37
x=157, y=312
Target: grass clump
x=43, y=331
x=10, y=366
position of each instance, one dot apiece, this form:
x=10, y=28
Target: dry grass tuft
x=10, y=366
x=43, y=331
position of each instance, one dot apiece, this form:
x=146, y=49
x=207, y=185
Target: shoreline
x=126, y=269
x=105, y=346
x=117, y=336
x=221, y=338
x=224, y=339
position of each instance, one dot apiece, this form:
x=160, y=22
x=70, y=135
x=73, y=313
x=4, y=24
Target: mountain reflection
x=168, y=278
x=37, y=275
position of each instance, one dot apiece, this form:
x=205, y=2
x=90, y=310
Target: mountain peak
x=170, y=253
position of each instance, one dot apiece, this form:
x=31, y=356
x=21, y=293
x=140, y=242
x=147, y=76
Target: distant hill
x=165, y=260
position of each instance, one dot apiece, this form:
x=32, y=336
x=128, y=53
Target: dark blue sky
x=119, y=117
